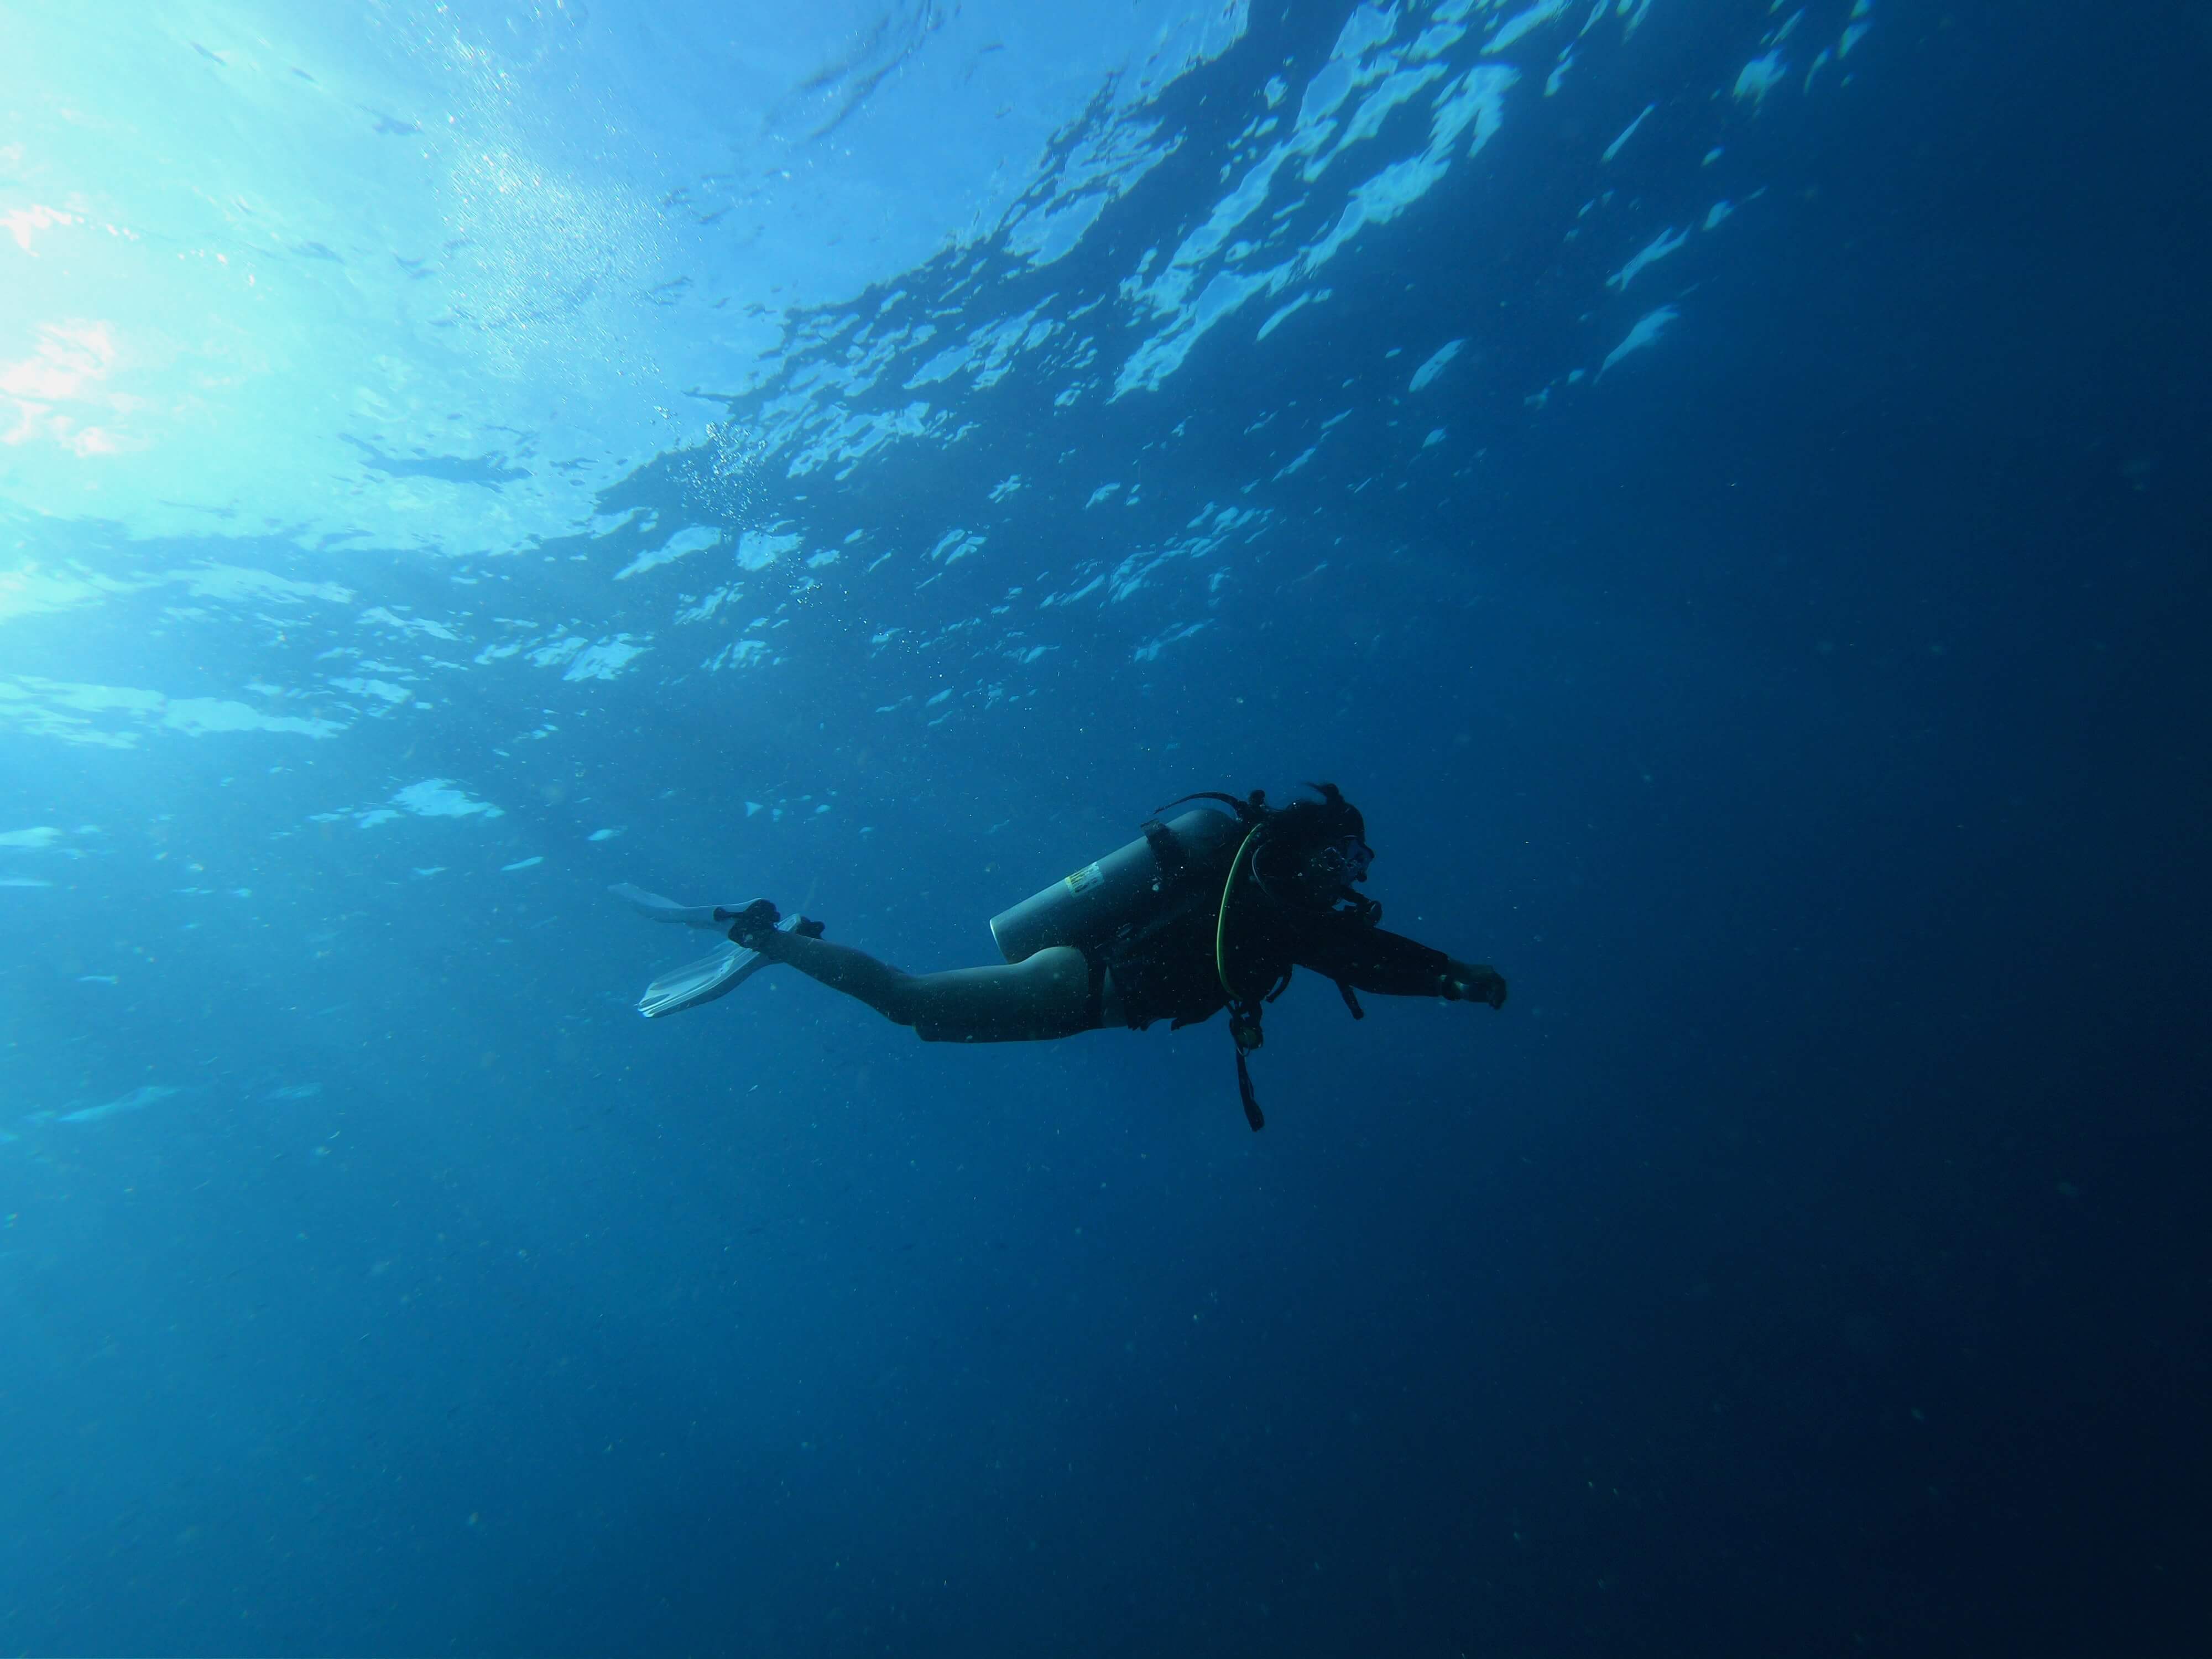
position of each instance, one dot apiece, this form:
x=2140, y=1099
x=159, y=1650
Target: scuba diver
x=1212, y=910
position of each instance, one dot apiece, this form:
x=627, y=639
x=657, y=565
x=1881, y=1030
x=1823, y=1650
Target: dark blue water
x=1808, y=715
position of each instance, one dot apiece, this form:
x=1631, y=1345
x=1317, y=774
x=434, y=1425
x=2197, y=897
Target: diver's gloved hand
x=749, y=926
x=1469, y=983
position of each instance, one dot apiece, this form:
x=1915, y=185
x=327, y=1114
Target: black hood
x=1293, y=834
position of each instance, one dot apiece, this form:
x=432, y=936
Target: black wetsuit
x=1171, y=973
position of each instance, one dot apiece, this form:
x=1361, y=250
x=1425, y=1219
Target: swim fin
x=654, y=907
x=711, y=976
x=701, y=982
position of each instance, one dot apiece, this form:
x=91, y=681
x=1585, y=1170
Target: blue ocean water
x=1722, y=485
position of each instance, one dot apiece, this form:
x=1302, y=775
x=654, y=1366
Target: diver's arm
x=1471, y=981
x=1389, y=964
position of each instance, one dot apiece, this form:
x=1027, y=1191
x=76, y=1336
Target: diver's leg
x=842, y=968
x=1044, y=996
x=1041, y=997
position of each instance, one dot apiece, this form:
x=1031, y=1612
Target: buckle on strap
x=1166, y=851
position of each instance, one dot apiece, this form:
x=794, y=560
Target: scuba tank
x=1129, y=887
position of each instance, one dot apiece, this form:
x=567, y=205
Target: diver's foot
x=752, y=925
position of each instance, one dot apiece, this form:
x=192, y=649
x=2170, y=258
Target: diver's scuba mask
x=1327, y=874
x=1339, y=863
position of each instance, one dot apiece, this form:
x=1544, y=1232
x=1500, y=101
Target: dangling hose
x=1243, y=1014
x=1236, y=866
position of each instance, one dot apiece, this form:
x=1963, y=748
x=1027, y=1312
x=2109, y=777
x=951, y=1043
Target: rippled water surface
x=1720, y=485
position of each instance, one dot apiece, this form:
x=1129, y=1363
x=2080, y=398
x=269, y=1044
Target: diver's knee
x=1060, y=966
x=901, y=1002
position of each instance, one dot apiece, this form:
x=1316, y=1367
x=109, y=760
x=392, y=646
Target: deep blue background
x=1810, y=1258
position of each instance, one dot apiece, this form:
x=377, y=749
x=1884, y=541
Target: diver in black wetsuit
x=1209, y=912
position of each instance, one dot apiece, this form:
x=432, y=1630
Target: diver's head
x=1335, y=864
x=1315, y=851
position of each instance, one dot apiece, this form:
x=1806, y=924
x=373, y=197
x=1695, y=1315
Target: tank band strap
x=1166, y=851
x=1250, y=808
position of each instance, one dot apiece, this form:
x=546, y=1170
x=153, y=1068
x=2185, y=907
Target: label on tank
x=1089, y=876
